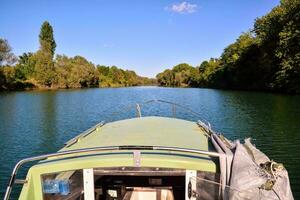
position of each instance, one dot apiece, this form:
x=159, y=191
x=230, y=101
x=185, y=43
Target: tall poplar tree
x=47, y=41
x=45, y=71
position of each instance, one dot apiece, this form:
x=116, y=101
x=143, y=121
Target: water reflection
x=47, y=132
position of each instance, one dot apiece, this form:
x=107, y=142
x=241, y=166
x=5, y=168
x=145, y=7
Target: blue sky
x=147, y=36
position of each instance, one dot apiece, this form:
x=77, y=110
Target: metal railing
x=138, y=109
x=13, y=179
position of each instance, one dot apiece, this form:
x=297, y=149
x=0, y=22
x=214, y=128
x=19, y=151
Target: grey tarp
x=242, y=168
x=225, y=159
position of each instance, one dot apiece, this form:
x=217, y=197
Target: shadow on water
x=36, y=122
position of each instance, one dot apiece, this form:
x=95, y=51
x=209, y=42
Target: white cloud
x=183, y=7
x=108, y=45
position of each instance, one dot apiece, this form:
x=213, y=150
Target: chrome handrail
x=98, y=149
x=84, y=134
x=174, y=104
x=137, y=107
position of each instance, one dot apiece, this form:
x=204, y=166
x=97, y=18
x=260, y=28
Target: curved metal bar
x=133, y=106
x=208, y=153
x=175, y=104
x=84, y=134
x=96, y=149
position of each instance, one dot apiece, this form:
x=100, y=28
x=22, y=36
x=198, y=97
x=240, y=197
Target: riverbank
x=32, y=87
x=29, y=86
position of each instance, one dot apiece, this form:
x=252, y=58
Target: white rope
x=219, y=184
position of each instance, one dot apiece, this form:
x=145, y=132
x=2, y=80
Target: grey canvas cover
x=247, y=173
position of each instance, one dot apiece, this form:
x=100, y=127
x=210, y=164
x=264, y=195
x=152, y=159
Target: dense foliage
x=6, y=56
x=115, y=77
x=43, y=69
x=182, y=75
x=7, y=73
x=266, y=58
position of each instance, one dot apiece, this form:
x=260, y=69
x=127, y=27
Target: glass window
x=63, y=185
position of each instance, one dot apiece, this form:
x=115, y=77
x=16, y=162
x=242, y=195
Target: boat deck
x=146, y=131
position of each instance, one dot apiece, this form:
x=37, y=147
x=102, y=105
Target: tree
x=7, y=77
x=181, y=75
x=7, y=73
x=47, y=41
x=44, y=66
x=279, y=36
x=116, y=77
x=166, y=78
x=207, y=71
x=288, y=50
x=25, y=67
x=75, y=72
x=6, y=56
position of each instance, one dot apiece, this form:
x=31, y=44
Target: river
x=38, y=122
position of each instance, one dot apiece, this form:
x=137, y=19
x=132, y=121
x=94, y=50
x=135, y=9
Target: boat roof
x=145, y=131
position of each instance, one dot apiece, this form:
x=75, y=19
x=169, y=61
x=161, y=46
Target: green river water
x=39, y=122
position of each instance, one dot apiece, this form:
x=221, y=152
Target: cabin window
x=63, y=185
x=131, y=183
x=208, y=186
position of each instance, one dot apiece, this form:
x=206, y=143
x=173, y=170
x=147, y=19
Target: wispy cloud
x=108, y=45
x=183, y=7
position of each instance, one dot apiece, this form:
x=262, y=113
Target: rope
x=216, y=183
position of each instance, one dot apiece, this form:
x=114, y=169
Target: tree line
x=42, y=69
x=265, y=58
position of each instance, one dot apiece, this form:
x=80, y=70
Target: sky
x=147, y=36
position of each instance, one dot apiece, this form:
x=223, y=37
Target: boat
x=152, y=158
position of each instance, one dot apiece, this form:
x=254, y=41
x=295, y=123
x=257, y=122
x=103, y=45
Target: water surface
x=38, y=122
